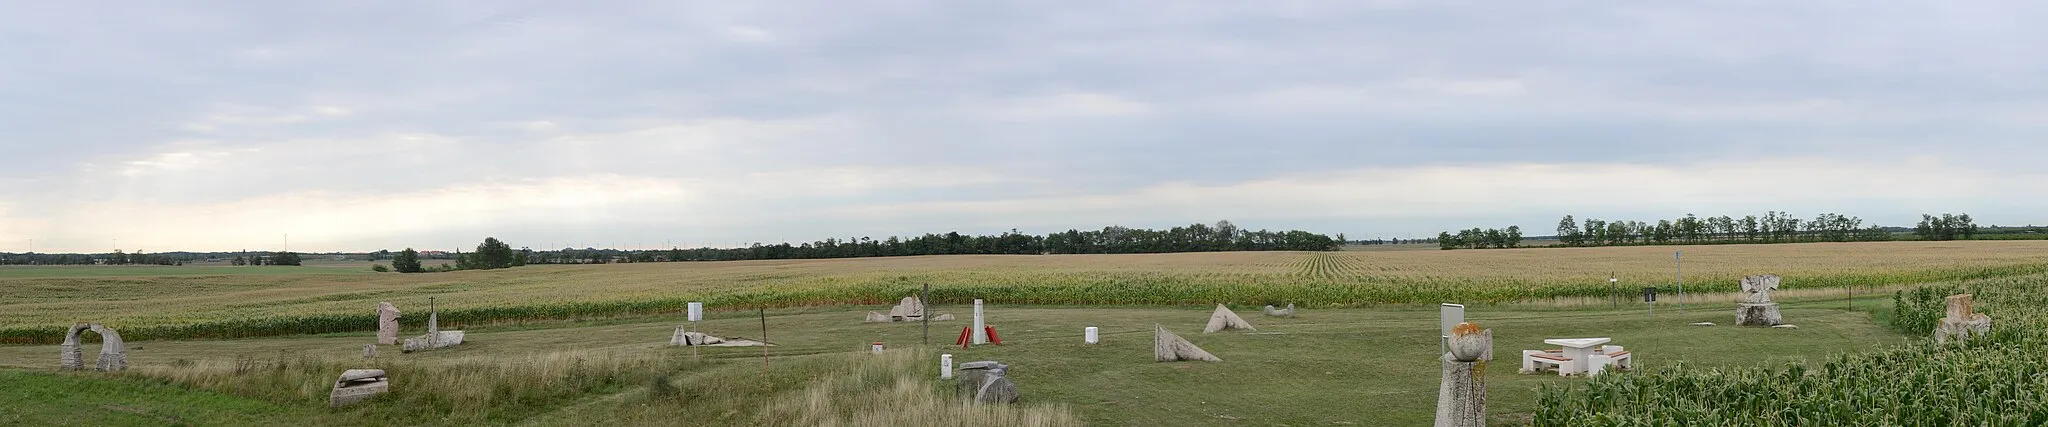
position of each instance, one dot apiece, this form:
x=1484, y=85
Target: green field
x=582, y=345
x=1315, y=369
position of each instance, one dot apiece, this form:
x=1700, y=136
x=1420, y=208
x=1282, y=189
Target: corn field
x=2001, y=380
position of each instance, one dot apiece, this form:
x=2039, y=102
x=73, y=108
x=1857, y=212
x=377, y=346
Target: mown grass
x=1314, y=369
x=221, y=307
x=45, y=398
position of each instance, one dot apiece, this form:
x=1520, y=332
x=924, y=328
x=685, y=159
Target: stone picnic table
x=1579, y=350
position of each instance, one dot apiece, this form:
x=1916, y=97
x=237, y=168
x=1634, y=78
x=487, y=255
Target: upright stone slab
x=1961, y=323
x=387, y=324
x=369, y=351
x=908, y=309
x=1756, y=308
x=980, y=332
x=73, y=357
x=1461, y=397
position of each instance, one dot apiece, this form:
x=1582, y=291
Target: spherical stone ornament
x=1469, y=342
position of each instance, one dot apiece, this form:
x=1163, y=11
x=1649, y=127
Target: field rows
x=33, y=310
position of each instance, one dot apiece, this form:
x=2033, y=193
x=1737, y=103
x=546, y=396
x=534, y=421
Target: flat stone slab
x=360, y=374
x=1703, y=324
x=985, y=364
x=1785, y=327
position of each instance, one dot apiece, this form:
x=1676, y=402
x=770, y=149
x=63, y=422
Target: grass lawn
x=43, y=398
x=1325, y=367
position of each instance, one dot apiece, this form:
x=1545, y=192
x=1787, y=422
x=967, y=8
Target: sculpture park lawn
x=1324, y=367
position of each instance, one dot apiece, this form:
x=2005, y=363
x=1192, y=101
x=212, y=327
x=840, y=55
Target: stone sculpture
x=986, y=382
x=1288, y=312
x=1461, y=398
x=357, y=385
x=369, y=351
x=387, y=324
x=113, y=351
x=907, y=310
x=1168, y=347
x=942, y=317
x=874, y=317
x=1224, y=319
x=1756, y=308
x=435, y=337
x=1961, y=323
x=693, y=338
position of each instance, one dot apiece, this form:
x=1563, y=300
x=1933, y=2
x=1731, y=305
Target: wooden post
x=925, y=301
x=764, y=344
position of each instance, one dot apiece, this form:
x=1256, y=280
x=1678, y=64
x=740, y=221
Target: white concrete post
x=945, y=366
x=980, y=327
x=878, y=347
x=1090, y=335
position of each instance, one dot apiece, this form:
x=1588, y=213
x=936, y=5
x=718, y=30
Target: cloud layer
x=224, y=126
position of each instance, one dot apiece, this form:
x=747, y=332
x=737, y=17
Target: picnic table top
x=1577, y=342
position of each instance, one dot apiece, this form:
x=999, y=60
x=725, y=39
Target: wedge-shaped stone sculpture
x=942, y=317
x=387, y=324
x=1224, y=319
x=113, y=351
x=1961, y=322
x=874, y=317
x=357, y=385
x=1756, y=308
x=1288, y=312
x=1167, y=347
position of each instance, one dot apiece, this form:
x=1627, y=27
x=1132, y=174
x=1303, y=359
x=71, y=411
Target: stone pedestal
x=1765, y=314
x=1461, y=397
x=356, y=385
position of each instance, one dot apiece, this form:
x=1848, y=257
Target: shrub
x=380, y=268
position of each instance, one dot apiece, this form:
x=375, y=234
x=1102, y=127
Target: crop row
x=1080, y=289
x=1997, y=380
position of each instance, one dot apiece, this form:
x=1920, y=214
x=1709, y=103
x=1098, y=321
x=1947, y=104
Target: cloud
x=725, y=122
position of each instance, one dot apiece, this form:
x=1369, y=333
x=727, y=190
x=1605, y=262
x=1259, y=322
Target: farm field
x=243, y=305
x=1324, y=367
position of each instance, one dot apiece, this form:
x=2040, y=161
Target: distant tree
x=407, y=261
x=1568, y=231
x=285, y=258
x=1514, y=236
x=239, y=261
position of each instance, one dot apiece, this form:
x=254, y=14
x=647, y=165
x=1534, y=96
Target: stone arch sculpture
x=113, y=351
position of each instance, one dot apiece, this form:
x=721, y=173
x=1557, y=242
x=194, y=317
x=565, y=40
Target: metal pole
x=1679, y=257
x=1613, y=291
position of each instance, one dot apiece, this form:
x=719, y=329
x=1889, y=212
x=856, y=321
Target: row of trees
x=1946, y=227
x=1221, y=236
x=1475, y=238
x=117, y=257
x=280, y=258
x=1772, y=227
x=490, y=255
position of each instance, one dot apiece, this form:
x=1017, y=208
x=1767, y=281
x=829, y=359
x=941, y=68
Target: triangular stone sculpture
x=1224, y=319
x=1167, y=347
x=874, y=317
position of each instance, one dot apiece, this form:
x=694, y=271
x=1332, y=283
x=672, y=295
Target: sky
x=355, y=126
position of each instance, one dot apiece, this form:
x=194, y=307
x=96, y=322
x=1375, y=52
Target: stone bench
x=1534, y=361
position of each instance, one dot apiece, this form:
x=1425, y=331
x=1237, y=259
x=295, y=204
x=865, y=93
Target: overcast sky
x=355, y=126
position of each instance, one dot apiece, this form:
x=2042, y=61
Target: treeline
x=113, y=258
x=490, y=255
x=1222, y=236
x=1772, y=227
x=1491, y=238
x=1946, y=227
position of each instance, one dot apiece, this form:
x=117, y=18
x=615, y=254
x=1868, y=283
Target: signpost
x=1450, y=315
x=696, y=310
x=1613, y=291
